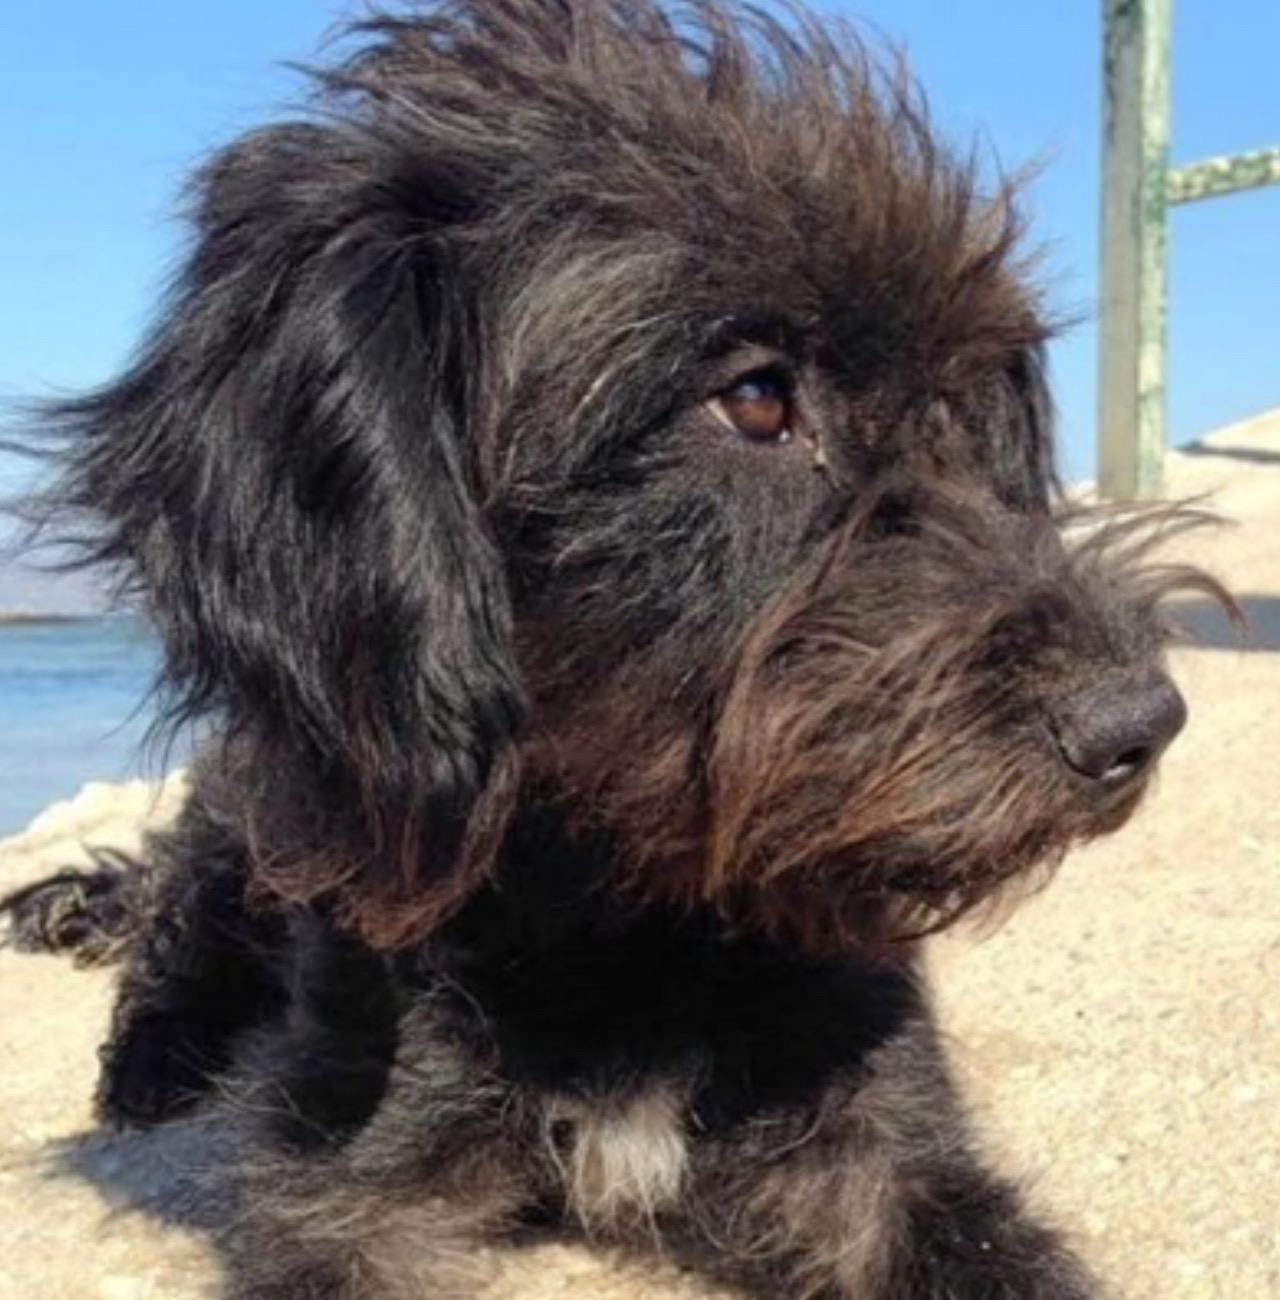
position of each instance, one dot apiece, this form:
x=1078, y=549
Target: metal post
x=1134, y=185
x=1228, y=174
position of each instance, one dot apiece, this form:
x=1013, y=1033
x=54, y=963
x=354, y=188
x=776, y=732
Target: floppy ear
x=1035, y=407
x=286, y=476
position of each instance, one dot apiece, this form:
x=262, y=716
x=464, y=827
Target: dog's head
x=641, y=413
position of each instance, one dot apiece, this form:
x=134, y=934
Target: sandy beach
x=1119, y=1037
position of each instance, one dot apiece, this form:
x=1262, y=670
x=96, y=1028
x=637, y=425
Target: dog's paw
x=87, y=914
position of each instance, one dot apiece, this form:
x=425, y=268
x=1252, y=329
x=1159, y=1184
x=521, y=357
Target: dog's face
x=639, y=416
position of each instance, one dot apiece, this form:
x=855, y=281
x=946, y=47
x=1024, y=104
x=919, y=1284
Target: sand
x=1119, y=1037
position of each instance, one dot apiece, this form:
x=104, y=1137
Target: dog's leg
x=199, y=972
x=198, y=964
x=378, y=1150
x=326, y=1246
x=316, y=1226
x=876, y=1193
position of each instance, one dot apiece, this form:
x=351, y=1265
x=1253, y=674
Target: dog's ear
x=1031, y=386
x=287, y=477
x=1020, y=435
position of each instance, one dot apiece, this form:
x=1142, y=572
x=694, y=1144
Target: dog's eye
x=758, y=407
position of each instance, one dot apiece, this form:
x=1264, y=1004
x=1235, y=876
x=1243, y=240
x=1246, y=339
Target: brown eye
x=758, y=407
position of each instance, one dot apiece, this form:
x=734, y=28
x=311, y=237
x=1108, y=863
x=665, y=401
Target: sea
x=74, y=707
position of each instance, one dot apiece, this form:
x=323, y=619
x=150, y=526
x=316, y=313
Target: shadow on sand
x=174, y=1174
x=1207, y=627
x=1246, y=455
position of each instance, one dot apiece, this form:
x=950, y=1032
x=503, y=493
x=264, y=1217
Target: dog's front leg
x=874, y=1191
x=374, y=1150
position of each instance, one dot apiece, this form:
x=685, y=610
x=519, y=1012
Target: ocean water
x=73, y=708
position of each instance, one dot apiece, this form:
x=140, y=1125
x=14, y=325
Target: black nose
x=1114, y=731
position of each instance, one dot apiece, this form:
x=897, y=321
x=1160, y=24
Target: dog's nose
x=1113, y=732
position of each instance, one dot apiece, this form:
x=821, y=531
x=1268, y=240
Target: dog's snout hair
x=593, y=480
x=889, y=738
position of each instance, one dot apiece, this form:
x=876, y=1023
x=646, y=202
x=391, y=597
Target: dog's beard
x=865, y=795
x=881, y=762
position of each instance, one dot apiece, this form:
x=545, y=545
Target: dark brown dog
x=596, y=476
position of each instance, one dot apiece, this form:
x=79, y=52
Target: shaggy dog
x=595, y=476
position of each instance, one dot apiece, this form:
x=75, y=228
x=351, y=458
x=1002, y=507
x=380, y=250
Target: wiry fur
x=625, y=1160
x=584, y=772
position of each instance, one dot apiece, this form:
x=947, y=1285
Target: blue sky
x=106, y=104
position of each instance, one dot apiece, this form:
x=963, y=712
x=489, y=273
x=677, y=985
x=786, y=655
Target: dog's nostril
x=1113, y=733
x=1130, y=763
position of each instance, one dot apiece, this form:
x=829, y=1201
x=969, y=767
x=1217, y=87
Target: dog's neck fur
x=582, y=994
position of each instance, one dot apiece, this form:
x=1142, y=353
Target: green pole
x=1227, y=174
x=1132, y=289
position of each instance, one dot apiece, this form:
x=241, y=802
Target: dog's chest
x=622, y=1161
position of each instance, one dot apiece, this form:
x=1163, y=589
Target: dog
x=593, y=480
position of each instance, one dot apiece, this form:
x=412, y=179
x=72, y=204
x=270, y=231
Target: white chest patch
x=622, y=1162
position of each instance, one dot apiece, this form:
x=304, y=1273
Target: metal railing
x=1138, y=188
